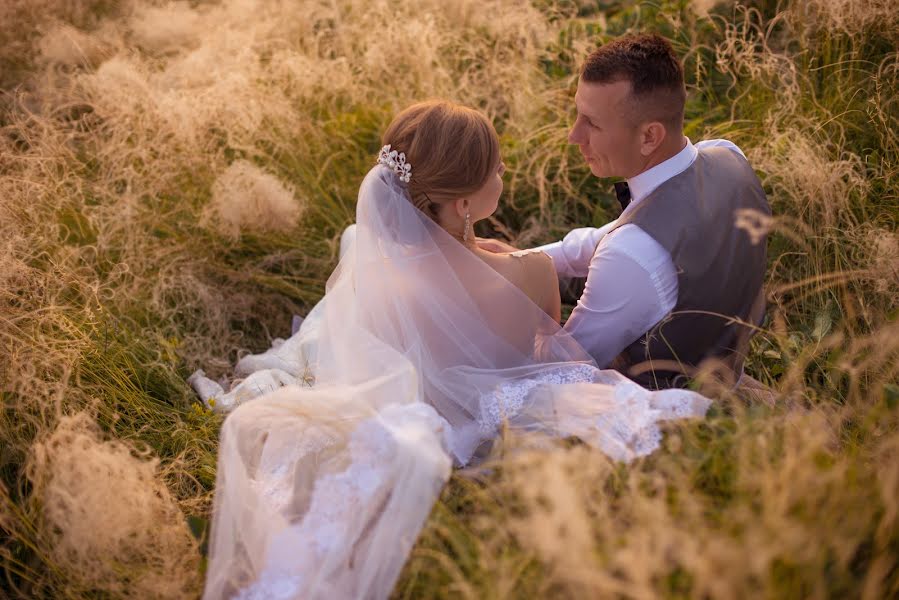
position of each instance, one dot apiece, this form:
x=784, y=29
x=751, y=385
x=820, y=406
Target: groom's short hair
x=652, y=67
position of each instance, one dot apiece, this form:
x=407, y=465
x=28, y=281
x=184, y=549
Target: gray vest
x=720, y=270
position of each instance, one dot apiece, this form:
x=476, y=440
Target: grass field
x=174, y=177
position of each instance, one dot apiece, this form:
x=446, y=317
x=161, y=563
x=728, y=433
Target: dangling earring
x=467, y=227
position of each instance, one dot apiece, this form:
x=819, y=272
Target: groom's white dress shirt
x=631, y=280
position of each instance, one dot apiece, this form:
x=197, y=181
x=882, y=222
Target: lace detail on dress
x=268, y=587
x=342, y=500
x=602, y=408
x=342, y=504
x=629, y=430
x=273, y=481
x=680, y=404
x=507, y=399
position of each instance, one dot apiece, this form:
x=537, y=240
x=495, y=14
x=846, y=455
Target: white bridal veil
x=416, y=356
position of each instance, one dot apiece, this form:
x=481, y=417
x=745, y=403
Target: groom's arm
x=572, y=256
x=631, y=286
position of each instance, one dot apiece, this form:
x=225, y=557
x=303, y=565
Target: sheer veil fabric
x=416, y=356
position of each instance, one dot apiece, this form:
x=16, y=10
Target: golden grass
x=173, y=180
x=110, y=519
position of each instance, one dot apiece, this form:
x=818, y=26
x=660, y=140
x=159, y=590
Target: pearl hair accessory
x=396, y=161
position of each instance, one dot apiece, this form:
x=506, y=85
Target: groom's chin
x=597, y=170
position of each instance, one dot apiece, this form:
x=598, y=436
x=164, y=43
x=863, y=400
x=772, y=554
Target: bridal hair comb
x=396, y=161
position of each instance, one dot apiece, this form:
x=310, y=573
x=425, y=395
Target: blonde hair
x=453, y=151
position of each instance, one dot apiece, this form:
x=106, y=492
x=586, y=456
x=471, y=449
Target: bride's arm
x=548, y=281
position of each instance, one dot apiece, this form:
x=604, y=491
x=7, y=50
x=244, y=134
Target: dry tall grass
x=173, y=179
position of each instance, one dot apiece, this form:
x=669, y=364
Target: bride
x=423, y=347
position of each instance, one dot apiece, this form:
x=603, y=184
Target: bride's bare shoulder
x=525, y=262
x=538, y=261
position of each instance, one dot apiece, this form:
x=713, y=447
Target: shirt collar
x=643, y=184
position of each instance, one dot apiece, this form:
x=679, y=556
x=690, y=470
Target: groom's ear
x=652, y=135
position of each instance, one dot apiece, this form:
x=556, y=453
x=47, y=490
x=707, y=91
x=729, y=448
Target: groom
x=673, y=282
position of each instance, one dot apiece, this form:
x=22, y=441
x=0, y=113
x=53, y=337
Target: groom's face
x=604, y=129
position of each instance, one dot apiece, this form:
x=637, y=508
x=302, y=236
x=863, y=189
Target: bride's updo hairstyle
x=453, y=150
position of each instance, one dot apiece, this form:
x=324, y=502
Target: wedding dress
x=340, y=439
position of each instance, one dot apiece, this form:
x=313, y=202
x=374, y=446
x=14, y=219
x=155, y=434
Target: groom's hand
x=495, y=246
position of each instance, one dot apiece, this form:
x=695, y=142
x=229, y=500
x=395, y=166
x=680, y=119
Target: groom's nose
x=575, y=134
x=571, y=135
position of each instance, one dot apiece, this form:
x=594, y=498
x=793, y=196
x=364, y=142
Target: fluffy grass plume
x=108, y=519
x=245, y=198
x=174, y=177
